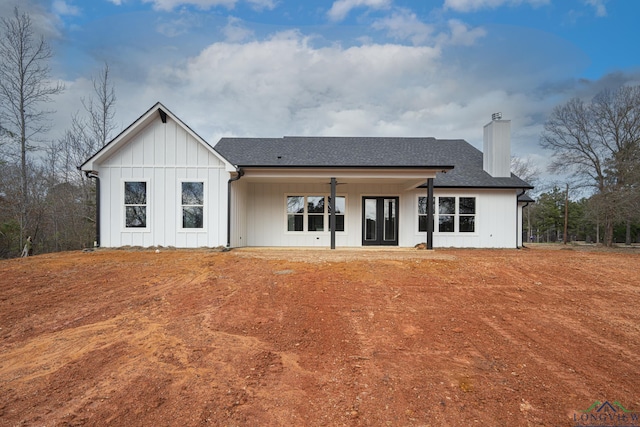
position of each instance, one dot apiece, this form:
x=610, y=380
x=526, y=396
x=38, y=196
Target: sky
x=269, y=68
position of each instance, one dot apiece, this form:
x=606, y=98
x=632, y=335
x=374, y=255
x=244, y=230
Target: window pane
x=422, y=223
x=422, y=205
x=295, y=222
x=447, y=205
x=339, y=223
x=389, y=219
x=445, y=223
x=467, y=205
x=193, y=193
x=135, y=193
x=295, y=204
x=315, y=204
x=192, y=217
x=467, y=224
x=136, y=216
x=315, y=223
x=371, y=219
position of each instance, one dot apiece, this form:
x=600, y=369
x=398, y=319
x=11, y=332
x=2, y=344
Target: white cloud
x=263, y=4
x=61, y=7
x=341, y=8
x=599, y=6
x=168, y=5
x=235, y=31
x=462, y=35
x=178, y=26
x=473, y=5
x=405, y=25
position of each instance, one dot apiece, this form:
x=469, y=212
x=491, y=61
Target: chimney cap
x=496, y=116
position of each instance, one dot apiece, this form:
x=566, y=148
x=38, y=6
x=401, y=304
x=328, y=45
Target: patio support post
x=430, y=212
x=332, y=213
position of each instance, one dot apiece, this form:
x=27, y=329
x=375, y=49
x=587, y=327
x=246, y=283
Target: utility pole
x=566, y=216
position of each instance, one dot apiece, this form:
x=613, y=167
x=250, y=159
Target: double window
x=311, y=213
x=453, y=214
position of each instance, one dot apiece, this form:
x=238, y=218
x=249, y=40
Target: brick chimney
x=497, y=147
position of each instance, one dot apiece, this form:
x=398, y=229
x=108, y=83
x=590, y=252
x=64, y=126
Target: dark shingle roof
x=380, y=152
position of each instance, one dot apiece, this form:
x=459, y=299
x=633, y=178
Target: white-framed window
x=311, y=213
x=453, y=214
x=136, y=203
x=192, y=205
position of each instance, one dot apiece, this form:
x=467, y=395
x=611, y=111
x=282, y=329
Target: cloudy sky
x=344, y=67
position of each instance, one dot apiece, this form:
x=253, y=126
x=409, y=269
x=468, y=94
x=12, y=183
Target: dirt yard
x=268, y=337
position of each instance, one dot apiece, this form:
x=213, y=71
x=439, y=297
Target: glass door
x=380, y=221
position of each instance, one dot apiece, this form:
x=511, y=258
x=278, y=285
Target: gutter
x=94, y=175
x=517, y=210
x=240, y=174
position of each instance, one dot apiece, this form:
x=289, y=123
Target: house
x=160, y=184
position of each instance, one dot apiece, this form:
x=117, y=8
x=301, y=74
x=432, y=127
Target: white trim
x=123, y=206
x=148, y=117
x=180, y=228
x=159, y=166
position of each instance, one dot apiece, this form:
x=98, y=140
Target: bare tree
x=599, y=143
x=24, y=86
x=73, y=195
x=101, y=109
x=525, y=169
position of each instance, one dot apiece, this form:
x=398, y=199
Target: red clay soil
x=269, y=337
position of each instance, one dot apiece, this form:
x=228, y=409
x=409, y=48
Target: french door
x=380, y=221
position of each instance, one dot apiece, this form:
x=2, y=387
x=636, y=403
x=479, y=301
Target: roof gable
x=157, y=112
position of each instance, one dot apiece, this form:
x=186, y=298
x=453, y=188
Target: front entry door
x=380, y=221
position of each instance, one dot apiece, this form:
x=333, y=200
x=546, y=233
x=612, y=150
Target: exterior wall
x=266, y=213
x=520, y=224
x=163, y=155
x=239, y=213
x=495, y=220
x=266, y=216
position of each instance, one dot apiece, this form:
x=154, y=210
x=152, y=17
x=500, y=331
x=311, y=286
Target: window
x=312, y=213
x=295, y=213
x=446, y=214
x=192, y=202
x=315, y=213
x=467, y=214
x=422, y=213
x=454, y=214
x=135, y=204
x=341, y=206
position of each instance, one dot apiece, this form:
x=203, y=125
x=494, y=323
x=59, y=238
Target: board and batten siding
x=264, y=216
x=163, y=155
x=495, y=219
x=266, y=213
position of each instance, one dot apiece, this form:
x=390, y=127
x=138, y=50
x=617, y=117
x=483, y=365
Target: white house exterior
x=162, y=185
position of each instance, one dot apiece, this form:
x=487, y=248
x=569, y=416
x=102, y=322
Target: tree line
x=596, y=143
x=46, y=202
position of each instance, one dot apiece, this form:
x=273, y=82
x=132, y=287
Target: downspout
x=239, y=175
x=517, y=210
x=94, y=175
